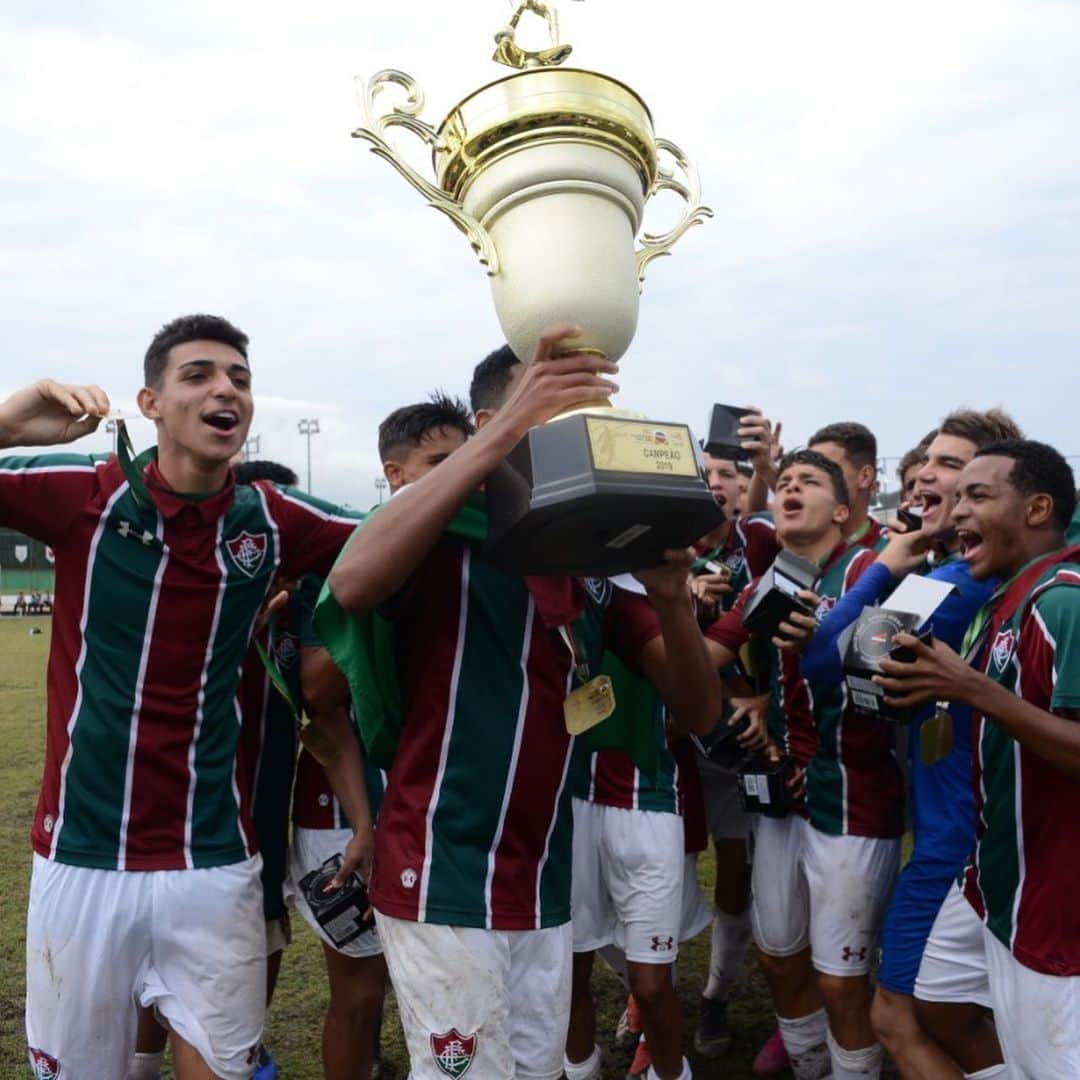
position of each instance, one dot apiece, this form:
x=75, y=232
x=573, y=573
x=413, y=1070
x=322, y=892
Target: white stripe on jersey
x=523, y=708
x=99, y=531
x=140, y=681
x=555, y=806
x=200, y=710
x=451, y=708
x=318, y=511
x=41, y=470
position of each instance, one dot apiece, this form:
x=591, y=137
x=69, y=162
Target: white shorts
x=627, y=885
x=102, y=943
x=696, y=913
x=493, y=1002
x=310, y=848
x=826, y=892
x=953, y=967
x=724, y=814
x=278, y=934
x=1037, y=1016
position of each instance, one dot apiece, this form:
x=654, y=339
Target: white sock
x=995, y=1072
x=589, y=1069
x=730, y=938
x=804, y=1040
x=145, y=1066
x=686, y=1074
x=855, y=1064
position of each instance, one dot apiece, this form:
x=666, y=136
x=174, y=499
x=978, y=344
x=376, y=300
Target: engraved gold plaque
x=641, y=446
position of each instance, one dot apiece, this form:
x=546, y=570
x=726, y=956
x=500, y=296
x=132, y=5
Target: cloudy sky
x=897, y=196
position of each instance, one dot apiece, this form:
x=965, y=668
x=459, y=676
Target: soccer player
x=413, y=440
x=853, y=447
x=268, y=752
x=145, y=884
x=738, y=553
x=471, y=885
x=821, y=879
x=1009, y=936
x=940, y=760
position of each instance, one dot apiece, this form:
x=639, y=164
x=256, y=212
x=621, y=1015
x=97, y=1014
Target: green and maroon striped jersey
x=475, y=826
x=155, y=605
x=853, y=781
x=1022, y=878
x=612, y=778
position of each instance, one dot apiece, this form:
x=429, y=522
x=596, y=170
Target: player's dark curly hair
x=491, y=378
x=248, y=472
x=406, y=427
x=189, y=328
x=819, y=461
x=1038, y=469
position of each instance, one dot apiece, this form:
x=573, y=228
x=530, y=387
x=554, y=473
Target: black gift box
x=721, y=746
x=774, y=597
x=723, y=439
x=864, y=645
x=763, y=785
x=340, y=912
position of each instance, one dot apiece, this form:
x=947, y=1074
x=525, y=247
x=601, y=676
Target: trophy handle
x=407, y=115
x=688, y=185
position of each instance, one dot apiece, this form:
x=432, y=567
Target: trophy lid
x=541, y=103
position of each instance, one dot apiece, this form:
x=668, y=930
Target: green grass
x=294, y=1024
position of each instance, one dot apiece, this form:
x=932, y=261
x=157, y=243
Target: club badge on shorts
x=45, y=1066
x=453, y=1052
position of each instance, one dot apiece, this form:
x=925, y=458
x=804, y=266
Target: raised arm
x=677, y=662
x=48, y=412
x=402, y=533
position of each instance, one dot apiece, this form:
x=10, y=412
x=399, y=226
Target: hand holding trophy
x=547, y=172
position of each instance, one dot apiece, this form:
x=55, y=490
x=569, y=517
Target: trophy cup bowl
x=548, y=172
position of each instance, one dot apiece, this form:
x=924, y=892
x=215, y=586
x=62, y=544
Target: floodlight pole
x=308, y=427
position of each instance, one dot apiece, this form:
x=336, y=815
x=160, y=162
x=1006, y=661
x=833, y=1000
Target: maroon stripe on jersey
x=252, y=703
x=691, y=796
x=614, y=780
x=74, y=554
x=428, y=667
x=874, y=786
x=161, y=782
x=797, y=703
x=314, y=805
x=544, y=750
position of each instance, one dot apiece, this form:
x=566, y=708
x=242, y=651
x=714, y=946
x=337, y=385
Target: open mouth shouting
x=223, y=420
x=791, y=505
x=971, y=543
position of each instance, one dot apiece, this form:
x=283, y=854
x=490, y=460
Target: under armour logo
x=848, y=954
x=662, y=944
x=125, y=529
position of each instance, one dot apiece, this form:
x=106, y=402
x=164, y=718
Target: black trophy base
x=552, y=511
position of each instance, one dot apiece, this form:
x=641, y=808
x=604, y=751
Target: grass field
x=294, y=1024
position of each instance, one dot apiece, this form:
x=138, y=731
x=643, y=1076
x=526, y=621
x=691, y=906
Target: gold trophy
x=547, y=172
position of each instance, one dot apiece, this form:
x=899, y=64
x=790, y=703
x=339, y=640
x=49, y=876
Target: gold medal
x=936, y=736
x=589, y=705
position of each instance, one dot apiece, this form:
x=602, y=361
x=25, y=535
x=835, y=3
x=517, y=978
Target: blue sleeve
x=820, y=663
x=954, y=616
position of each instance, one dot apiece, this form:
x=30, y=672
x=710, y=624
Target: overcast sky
x=896, y=187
